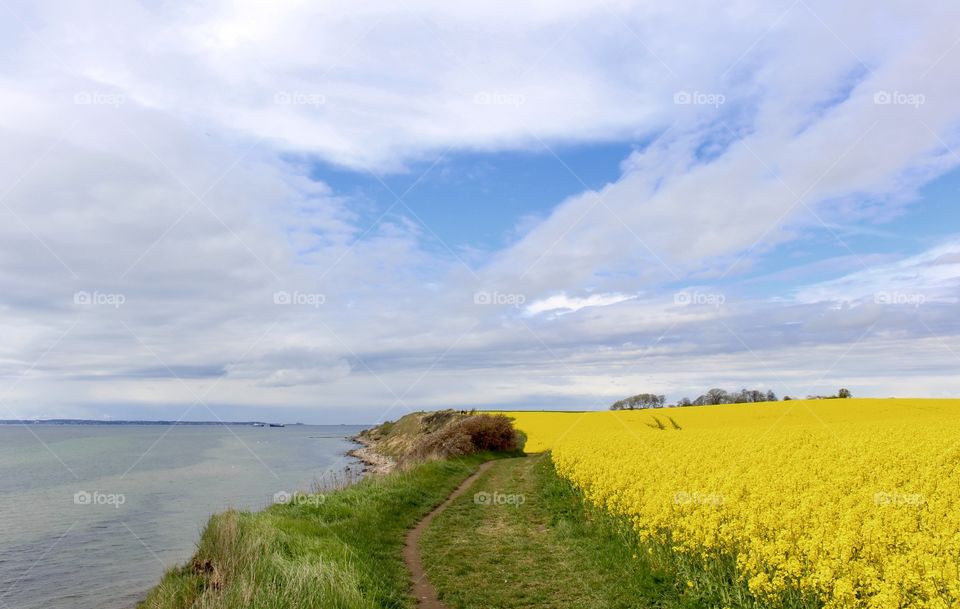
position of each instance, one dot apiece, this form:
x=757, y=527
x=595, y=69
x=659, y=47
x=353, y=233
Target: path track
x=423, y=590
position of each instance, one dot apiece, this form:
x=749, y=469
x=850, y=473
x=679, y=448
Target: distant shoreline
x=168, y=423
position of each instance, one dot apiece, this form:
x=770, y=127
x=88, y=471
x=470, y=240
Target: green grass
x=342, y=554
x=552, y=551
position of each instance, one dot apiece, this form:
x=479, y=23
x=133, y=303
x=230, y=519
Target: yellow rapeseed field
x=853, y=502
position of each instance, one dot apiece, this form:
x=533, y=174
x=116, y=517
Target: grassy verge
x=528, y=540
x=343, y=553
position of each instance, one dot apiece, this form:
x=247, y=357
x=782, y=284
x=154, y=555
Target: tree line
x=712, y=397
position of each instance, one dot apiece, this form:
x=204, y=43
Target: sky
x=342, y=212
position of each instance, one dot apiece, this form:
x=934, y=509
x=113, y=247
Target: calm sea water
x=91, y=516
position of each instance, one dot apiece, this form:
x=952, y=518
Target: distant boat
x=259, y=425
x=277, y=425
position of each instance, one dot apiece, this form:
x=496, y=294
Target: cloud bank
x=166, y=247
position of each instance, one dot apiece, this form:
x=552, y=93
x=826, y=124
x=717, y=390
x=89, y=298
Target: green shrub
x=473, y=434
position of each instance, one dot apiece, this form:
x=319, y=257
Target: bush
x=491, y=432
x=448, y=442
x=470, y=435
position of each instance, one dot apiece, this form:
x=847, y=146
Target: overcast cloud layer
x=166, y=253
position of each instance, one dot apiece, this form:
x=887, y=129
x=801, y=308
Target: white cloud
x=148, y=154
x=929, y=277
x=561, y=304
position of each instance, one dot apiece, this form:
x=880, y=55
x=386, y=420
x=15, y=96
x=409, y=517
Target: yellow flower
x=855, y=502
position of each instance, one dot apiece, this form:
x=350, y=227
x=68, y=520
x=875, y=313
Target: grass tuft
x=341, y=553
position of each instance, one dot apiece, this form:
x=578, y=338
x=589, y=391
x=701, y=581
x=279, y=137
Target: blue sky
x=483, y=200
x=200, y=214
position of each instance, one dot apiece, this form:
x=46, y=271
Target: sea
x=91, y=516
